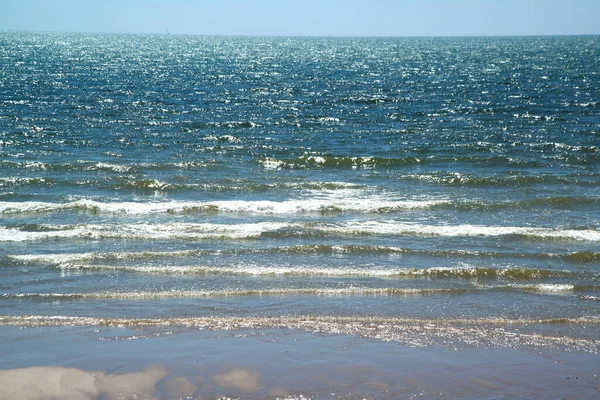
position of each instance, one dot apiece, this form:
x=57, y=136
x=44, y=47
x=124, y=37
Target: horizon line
x=167, y=33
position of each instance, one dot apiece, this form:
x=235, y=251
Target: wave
x=421, y=332
x=329, y=198
x=14, y=181
x=309, y=206
x=73, y=166
x=581, y=256
x=325, y=292
x=590, y=297
x=145, y=184
x=299, y=249
x=194, y=231
x=198, y=126
x=393, y=228
x=460, y=179
x=308, y=161
x=63, y=320
x=556, y=202
x=514, y=273
x=171, y=231
x=230, y=186
x=547, y=288
x=131, y=183
x=368, y=162
x=324, y=249
x=93, y=166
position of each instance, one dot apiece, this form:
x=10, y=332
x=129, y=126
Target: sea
x=430, y=192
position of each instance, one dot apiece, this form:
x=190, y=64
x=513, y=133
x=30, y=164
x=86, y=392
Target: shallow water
x=216, y=182
x=173, y=363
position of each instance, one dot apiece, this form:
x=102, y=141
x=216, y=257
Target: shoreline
x=178, y=362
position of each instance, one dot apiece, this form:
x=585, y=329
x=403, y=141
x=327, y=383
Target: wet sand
x=125, y=363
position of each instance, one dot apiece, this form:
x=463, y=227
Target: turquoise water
x=316, y=183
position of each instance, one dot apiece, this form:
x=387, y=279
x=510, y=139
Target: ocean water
x=427, y=191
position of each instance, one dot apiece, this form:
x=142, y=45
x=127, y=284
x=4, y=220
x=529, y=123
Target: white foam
x=548, y=287
x=54, y=258
x=144, y=231
x=64, y=258
x=365, y=205
x=240, y=231
x=246, y=269
x=271, y=163
x=12, y=180
x=16, y=235
x=326, y=292
x=36, y=165
x=416, y=332
x=111, y=167
x=401, y=228
x=8, y=207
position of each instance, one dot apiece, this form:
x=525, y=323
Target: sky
x=306, y=17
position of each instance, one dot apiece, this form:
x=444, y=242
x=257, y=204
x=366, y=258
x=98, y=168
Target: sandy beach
x=182, y=363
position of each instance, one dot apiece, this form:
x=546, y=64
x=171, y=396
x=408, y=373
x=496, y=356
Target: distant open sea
x=424, y=191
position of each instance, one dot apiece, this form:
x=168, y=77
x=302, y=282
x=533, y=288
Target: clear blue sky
x=307, y=17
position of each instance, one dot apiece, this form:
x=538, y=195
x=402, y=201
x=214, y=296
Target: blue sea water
x=445, y=190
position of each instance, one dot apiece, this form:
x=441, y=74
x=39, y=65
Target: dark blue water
x=448, y=180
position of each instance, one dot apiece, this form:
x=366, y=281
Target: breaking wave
x=192, y=231
x=326, y=292
x=420, y=332
x=324, y=249
x=232, y=206
x=514, y=273
x=334, y=199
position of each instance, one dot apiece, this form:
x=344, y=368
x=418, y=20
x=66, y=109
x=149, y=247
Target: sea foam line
x=299, y=206
x=170, y=231
x=192, y=231
x=239, y=322
x=418, y=332
x=547, y=288
x=575, y=257
x=408, y=229
x=299, y=249
x=289, y=292
x=325, y=292
x=323, y=202
x=245, y=269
